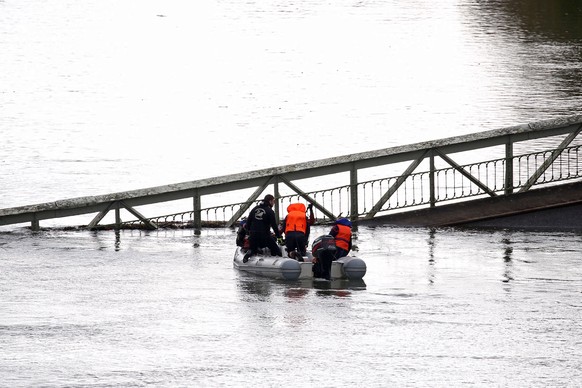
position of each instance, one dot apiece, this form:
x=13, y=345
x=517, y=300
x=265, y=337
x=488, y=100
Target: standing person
x=297, y=227
x=261, y=219
x=342, y=233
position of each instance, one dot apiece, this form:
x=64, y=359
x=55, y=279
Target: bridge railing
x=358, y=186
x=450, y=184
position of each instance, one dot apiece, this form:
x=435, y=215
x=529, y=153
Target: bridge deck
x=555, y=207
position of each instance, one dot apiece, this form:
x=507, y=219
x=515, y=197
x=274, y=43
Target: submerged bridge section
x=460, y=180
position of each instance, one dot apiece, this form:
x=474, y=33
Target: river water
x=105, y=96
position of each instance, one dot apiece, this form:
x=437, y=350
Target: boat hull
x=266, y=265
x=285, y=268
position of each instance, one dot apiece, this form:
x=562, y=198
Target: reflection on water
x=262, y=288
x=531, y=20
x=117, y=240
x=254, y=286
x=431, y=249
x=507, y=259
x=557, y=20
x=296, y=293
x=547, y=33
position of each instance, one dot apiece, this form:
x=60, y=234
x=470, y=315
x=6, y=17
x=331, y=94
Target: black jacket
x=261, y=219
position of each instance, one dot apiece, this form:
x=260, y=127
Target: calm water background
x=104, y=96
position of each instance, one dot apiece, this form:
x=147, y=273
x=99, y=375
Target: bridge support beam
x=276, y=194
x=117, y=205
x=35, y=223
x=508, y=167
x=197, y=214
x=148, y=223
x=100, y=216
x=548, y=162
x=464, y=172
x=309, y=199
x=354, y=193
x=432, y=181
x=251, y=200
x=378, y=206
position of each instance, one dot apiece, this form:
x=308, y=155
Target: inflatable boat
x=286, y=268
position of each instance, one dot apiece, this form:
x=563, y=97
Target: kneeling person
x=296, y=227
x=261, y=219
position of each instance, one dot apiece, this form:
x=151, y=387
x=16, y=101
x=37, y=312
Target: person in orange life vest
x=261, y=219
x=297, y=227
x=342, y=233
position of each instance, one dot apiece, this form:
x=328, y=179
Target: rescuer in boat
x=261, y=219
x=342, y=233
x=242, y=235
x=331, y=247
x=297, y=227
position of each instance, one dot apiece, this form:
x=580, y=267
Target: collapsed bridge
x=469, y=179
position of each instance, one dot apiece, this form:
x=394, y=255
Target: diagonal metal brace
x=116, y=204
x=100, y=215
x=149, y=224
x=245, y=206
x=376, y=208
x=309, y=199
x=460, y=169
x=540, y=171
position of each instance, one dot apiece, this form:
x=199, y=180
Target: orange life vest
x=296, y=219
x=342, y=239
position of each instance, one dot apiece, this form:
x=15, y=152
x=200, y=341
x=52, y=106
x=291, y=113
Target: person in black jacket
x=261, y=219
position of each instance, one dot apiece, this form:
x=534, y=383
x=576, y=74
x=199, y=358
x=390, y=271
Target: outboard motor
x=322, y=245
x=323, y=249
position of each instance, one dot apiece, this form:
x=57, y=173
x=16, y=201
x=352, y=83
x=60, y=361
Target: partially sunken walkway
x=526, y=175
